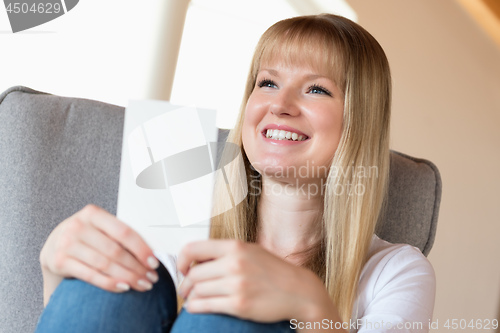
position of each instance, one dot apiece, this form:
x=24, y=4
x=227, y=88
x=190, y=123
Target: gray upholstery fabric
x=59, y=154
x=412, y=207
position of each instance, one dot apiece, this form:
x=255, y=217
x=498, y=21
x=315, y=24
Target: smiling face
x=292, y=121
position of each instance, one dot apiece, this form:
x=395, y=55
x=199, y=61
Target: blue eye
x=267, y=83
x=316, y=89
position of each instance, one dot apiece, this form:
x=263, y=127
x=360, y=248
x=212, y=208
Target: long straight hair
x=356, y=185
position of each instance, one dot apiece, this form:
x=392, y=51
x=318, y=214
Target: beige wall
x=446, y=108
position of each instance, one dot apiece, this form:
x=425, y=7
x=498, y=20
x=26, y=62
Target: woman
x=300, y=251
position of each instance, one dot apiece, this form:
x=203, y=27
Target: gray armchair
x=59, y=154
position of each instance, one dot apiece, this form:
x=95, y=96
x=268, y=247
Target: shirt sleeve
x=403, y=295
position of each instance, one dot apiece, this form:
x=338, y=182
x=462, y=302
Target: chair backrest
x=59, y=154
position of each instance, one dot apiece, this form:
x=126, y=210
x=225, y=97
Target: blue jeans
x=76, y=306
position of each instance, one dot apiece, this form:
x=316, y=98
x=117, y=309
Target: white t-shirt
x=396, y=289
x=170, y=263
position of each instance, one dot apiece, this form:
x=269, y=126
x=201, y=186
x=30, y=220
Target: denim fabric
x=76, y=306
x=219, y=323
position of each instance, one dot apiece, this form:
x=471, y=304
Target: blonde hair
x=359, y=67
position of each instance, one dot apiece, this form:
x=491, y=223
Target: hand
x=245, y=280
x=94, y=246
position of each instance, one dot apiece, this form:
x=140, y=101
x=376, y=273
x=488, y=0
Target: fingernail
x=153, y=262
x=145, y=284
x=152, y=276
x=122, y=286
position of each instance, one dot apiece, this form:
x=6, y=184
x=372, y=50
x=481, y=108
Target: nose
x=285, y=103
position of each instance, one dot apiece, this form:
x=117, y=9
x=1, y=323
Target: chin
x=273, y=167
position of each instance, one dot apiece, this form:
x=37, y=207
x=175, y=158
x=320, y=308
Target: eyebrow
x=271, y=71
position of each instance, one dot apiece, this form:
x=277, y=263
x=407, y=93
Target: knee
x=211, y=322
x=75, y=302
x=74, y=293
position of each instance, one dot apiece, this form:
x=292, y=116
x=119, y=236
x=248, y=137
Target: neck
x=287, y=218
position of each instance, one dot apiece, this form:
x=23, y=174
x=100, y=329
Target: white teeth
x=284, y=135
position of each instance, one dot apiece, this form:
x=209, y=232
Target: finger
x=110, y=248
x=209, y=270
x=205, y=250
x=102, y=264
x=89, y=275
x=120, y=232
x=220, y=304
x=212, y=288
